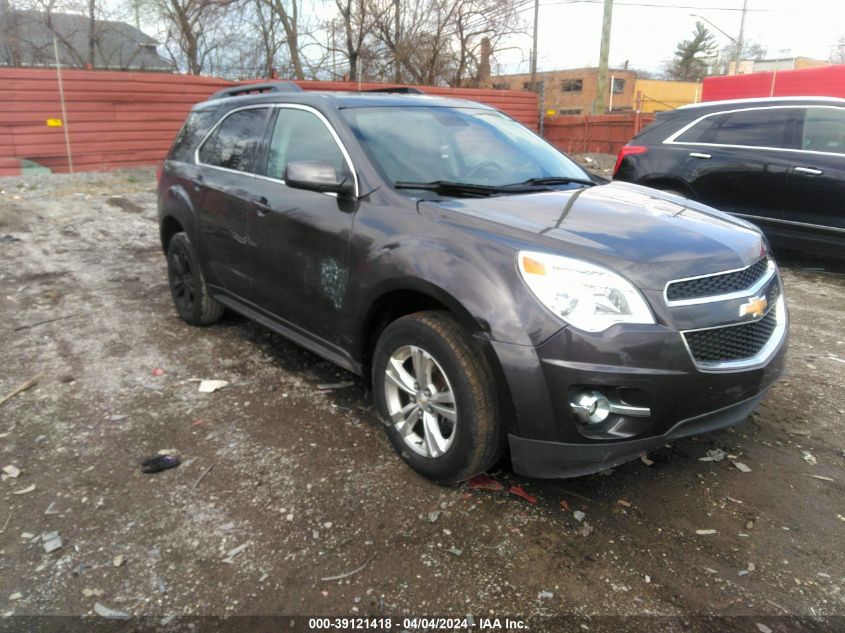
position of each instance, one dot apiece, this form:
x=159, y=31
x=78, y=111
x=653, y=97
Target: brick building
x=573, y=91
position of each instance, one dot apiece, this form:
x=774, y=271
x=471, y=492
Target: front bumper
x=549, y=460
x=646, y=366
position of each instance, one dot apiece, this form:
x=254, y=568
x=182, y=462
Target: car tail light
x=628, y=150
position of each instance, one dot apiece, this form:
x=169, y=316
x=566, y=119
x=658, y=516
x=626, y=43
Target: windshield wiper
x=448, y=187
x=557, y=180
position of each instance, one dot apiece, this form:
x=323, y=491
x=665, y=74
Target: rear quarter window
x=764, y=127
x=194, y=129
x=824, y=130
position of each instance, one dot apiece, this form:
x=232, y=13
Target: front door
x=301, y=238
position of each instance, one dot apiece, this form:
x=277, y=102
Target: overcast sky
x=646, y=36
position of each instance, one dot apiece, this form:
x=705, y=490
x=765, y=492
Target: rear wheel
x=187, y=284
x=436, y=395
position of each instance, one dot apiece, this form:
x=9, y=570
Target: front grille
x=718, y=284
x=736, y=342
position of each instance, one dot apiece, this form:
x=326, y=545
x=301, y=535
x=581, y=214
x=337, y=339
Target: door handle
x=699, y=155
x=809, y=171
x=262, y=205
x=197, y=182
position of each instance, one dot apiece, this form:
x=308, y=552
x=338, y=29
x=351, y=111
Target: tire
x=434, y=345
x=187, y=284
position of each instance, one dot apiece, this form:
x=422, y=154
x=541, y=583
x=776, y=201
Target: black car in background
x=494, y=296
x=778, y=162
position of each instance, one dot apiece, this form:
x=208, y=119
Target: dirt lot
x=304, y=485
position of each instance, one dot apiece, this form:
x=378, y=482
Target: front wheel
x=436, y=394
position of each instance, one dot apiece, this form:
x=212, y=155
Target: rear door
x=301, y=238
x=228, y=159
x=816, y=178
x=736, y=160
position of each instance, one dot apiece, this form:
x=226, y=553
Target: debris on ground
x=20, y=388
x=11, y=471
x=819, y=477
x=230, y=555
x=455, y=550
x=713, y=455
x=645, y=460
x=158, y=463
x=111, y=614
x=158, y=371
x=485, y=482
x=579, y=516
x=210, y=386
x=705, y=532
x=545, y=595
x=564, y=504
x=519, y=492
x=335, y=386
x=741, y=467
x=51, y=541
x=809, y=458
x=433, y=516
x=204, y=475
x=624, y=503
x=349, y=573
x=118, y=560
x=24, y=491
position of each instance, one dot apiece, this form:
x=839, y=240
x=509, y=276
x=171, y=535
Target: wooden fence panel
x=605, y=134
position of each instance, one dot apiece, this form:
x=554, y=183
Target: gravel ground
x=283, y=485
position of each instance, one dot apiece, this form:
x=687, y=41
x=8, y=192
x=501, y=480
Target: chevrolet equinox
x=496, y=296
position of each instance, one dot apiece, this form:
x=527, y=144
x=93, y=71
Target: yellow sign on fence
x=54, y=123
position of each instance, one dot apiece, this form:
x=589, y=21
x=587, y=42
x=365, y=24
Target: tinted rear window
x=824, y=130
x=765, y=127
x=194, y=129
x=236, y=142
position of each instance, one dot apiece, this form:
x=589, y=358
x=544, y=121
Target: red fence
x=118, y=119
x=827, y=81
x=601, y=133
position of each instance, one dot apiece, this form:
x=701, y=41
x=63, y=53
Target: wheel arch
x=405, y=297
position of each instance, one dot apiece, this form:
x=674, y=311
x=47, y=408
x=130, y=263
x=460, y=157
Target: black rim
x=182, y=280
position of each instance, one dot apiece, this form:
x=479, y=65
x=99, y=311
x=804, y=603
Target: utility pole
x=534, y=48
x=739, y=40
x=604, y=54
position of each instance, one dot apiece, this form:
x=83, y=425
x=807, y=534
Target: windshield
x=458, y=145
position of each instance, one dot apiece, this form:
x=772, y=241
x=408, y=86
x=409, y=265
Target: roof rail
x=242, y=89
x=404, y=90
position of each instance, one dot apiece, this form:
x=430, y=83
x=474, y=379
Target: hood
x=649, y=235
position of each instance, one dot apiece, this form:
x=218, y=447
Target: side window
x=195, y=128
x=236, y=141
x=766, y=127
x=301, y=135
x=824, y=130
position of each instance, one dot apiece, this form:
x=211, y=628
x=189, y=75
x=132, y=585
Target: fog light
x=591, y=407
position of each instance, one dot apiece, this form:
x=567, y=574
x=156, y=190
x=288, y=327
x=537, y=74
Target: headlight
x=584, y=295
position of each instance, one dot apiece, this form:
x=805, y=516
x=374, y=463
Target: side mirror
x=318, y=175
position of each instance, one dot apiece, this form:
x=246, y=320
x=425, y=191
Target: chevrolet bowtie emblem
x=755, y=307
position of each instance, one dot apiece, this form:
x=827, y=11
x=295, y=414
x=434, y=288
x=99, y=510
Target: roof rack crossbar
x=405, y=90
x=242, y=89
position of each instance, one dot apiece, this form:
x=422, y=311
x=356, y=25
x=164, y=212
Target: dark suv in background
x=778, y=162
x=494, y=295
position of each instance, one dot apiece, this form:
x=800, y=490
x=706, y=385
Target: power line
x=666, y=6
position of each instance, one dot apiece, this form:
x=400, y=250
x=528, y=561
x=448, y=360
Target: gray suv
x=494, y=294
